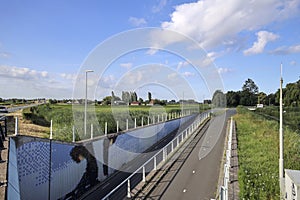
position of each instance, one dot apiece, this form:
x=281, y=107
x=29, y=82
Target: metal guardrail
x=223, y=195
x=166, y=151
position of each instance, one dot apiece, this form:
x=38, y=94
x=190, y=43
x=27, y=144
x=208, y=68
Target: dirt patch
x=25, y=126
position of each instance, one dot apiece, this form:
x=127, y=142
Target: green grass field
x=291, y=116
x=258, y=155
x=63, y=117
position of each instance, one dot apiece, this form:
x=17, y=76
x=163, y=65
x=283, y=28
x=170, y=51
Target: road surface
x=111, y=182
x=194, y=175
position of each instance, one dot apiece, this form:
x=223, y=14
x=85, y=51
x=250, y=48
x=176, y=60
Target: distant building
x=151, y=103
x=119, y=102
x=135, y=103
x=260, y=105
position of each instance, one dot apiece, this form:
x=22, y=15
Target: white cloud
x=71, y=77
x=215, y=22
x=293, y=63
x=224, y=70
x=263, y=37
x=188, y=74
x=152, y=51
x=172, y=76
x=137, y=21
x=126, y=65
x=160, y=6
x=286, y=50
x=182, y=64
x=29, y=83
x=107, y=81
x=5, y=55
x=21, y=73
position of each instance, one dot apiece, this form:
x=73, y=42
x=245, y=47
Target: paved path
x=195, y=174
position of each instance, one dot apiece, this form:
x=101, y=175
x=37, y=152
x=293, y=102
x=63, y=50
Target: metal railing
x=223, y=195
x=165, y=151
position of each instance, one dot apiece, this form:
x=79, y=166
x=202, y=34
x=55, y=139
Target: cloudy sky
x=43, y=45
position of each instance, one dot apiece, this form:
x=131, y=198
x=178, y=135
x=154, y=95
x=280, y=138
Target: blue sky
x=43, y=44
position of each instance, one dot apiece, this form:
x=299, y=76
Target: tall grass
x=258, y=155
x=63, y=117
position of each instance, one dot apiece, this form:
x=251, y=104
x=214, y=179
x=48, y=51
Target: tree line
x=250, y=95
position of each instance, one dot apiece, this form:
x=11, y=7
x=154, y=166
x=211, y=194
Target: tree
x=250, y=86
x=248, y=96
x=149, y=96
x=219, y=99
x=126, y=97
x=233, y=98
x=134, y=96
x=107, y=100
x=113, y=98
x=271, y=99
x=262, y=98
x=141, y=100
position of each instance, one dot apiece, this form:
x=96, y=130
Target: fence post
x=128, y=189
x=126, y=124
x=5, y=126
x=148, y=120
x=16, y=126
x=73, y=133
x=154, y=163
x=142, y=121
x=158, y=118
x=144, y=174
x=153, y=120
x=105, y=129
x=117, y=126
x=92, y=131
x=134, y=122
x=51, y=133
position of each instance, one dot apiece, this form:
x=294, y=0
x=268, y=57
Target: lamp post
x=85, y=102
x=281, y=166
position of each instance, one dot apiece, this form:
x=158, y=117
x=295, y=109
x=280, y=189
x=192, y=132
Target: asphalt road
x=16, y=108
x=197, y=177
x=111, y=182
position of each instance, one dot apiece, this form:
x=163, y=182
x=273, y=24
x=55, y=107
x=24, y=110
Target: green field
x=291, y=115
x=258, y=154
x=63, y=117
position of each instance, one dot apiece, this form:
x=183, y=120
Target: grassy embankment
x=258, y=155
x=62, y=117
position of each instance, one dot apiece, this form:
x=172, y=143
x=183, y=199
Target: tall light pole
x=281, y=167
x=85, y=102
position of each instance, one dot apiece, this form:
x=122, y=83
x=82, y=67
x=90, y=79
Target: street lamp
x=281, y=165
x=85, y=102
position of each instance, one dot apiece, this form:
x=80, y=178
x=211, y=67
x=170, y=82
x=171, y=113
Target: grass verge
x=258, y=155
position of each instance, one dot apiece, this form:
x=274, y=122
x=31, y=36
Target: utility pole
x=281, y=166
x=85, y=102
